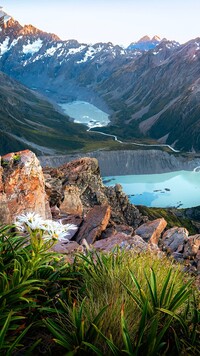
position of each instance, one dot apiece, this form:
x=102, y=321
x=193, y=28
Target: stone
x=55, y=211
x=67, y=248
x=152, y=230
x=54, y=190
x=127, y=230
x=22, y=187
x=72, y=219
x=174, y=238
x=177, y=256
x=123, y=241
x=192, y=246
x=94, y=224
x=113, y=229
x=110, y=231
x=72, y=203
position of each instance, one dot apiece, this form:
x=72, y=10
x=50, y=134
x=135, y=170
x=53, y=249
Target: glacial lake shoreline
x=179, y=189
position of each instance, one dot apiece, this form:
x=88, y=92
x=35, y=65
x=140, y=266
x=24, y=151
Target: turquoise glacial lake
x=85, y=113
x=176, y=189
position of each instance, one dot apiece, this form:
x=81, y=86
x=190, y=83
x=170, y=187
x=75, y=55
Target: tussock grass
x=103, y=304
x=109, y=280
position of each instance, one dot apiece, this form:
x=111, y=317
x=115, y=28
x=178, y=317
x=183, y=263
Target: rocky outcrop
x=82, y=178
x=152, y=230
x=122, y=210
x=22, y=186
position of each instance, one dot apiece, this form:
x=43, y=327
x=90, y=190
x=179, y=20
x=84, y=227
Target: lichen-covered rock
x=123, y=241
x=152, y=230
x=94, y=224
x=22, y=186
x=174, y=239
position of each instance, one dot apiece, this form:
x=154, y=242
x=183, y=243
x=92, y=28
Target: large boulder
x=152, y=230
x=22, y=186
x=174, y=239
x=122, y=241
x=94, y=224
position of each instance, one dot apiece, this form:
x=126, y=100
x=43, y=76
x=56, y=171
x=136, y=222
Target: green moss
x=16, y=158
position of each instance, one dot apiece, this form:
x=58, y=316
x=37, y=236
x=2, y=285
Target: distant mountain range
x=145, y=43
x=152, y=88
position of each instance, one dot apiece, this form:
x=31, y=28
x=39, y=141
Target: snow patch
x=32, y=48
x=50, y=51
x=90, y=54
x=14, y=42
x=4, y=46
x=75, y=50
x=36, y=58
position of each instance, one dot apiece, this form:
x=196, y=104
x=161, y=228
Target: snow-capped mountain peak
x=145, y=43
x=4, y=17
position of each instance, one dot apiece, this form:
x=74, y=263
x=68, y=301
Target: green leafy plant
x=30, y=280
x=73, y=332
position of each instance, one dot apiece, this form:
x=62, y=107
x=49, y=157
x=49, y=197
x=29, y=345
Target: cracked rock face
x=22, y=186
x=82, y=181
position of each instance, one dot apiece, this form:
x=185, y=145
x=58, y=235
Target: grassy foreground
x=114, y=304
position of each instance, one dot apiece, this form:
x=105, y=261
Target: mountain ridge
x=28, y=120
x=151, y=94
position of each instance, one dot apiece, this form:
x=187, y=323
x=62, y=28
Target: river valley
x=150, y=177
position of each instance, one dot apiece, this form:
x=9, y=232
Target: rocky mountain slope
x=159, y=95
x=153, y=94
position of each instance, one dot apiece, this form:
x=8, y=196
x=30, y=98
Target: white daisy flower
x=32, y=220
x=48, y=229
